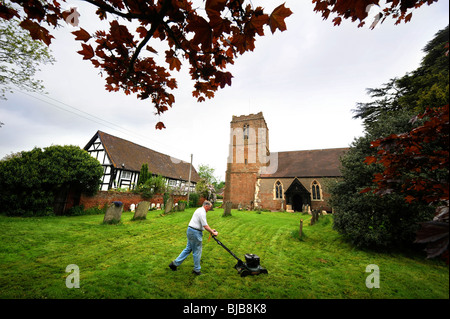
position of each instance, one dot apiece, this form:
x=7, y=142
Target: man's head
x=207, y=205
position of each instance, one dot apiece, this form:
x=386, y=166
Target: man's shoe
x=198, y=273
x=172, y=266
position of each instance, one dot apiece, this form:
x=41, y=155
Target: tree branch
x=156, y=23
x=102, y=5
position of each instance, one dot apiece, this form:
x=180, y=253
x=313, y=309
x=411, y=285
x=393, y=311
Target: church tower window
x=246, y=131
x=316, y=191
x=278, y=190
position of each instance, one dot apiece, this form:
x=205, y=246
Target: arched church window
x=246, y=131
x=278, y=190
x=315, y=191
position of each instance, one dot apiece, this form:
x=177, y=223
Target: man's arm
x=212, y=231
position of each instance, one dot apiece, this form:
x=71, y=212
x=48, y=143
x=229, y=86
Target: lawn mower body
x=251, y=265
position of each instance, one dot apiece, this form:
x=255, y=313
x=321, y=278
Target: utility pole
x=189, y=182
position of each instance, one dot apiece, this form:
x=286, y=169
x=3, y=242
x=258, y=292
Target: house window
x=172, y=183
x=278, y=190
x=126, y=175
x=315, y=191
x=246, y=131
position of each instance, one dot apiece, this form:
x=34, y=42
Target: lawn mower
x=250, y=267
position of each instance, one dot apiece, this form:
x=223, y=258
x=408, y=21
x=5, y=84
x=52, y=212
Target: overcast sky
x=305, y=80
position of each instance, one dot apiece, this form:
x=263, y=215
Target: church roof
x=312, y=163
x=132, y=155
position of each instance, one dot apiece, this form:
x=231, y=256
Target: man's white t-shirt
x=198, y=220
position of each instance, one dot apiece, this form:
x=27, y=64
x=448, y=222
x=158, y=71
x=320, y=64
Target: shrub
x=366, y=219
x=193, y=199
x=31, y=182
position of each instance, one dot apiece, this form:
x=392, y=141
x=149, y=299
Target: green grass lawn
x=130, y=260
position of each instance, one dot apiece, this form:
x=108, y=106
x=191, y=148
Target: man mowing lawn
x=194, y=238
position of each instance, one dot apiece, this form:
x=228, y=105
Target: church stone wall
x=267, y=200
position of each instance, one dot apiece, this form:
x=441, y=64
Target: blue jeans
x=194, y=245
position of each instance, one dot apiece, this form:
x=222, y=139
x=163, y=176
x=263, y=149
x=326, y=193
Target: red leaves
x=370, y=160
x=416, y=161
x=87, y=52
x=277, y=18
x=36, y=31
x=174, y=62
x=7, y=13
x=160, y=126
x=82, y=35
x=202, y=30
x=223, y=78
x=208, y=43
x=360, y=9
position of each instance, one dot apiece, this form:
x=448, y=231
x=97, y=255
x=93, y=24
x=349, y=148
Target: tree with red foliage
x=416, y=164
x=209, y=42
x=359, y=10
x=208, y=38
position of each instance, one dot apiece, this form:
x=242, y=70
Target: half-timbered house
x=122, y=161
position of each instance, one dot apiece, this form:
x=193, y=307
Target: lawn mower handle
x=220, y=243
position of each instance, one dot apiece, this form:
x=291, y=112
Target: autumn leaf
x=7, y=13
x=36, y=31
x=173, y=61
x=81, y=35
x=408, y=17
x=160, y=126
x=258, y=22
x=370, y=160
x=202, y=30
x=142, y=31
x=277, y=17
x=87, y=52
x=223, y=78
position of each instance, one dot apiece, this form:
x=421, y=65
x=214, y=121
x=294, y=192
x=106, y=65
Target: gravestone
x=315, y=216
x=169, y=205
x=141, y=210
x=113, y=213
x=227, y=211
x=181, y=206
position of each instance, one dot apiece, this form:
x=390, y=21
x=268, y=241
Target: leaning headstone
x=141, y=210
x=227, y=211
x=169, y=205
x=113, y=213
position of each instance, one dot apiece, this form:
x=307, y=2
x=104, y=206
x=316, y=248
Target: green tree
x=427, y=86
x=155, y=184
x=364, y=218
x=20, y=57
x=31, y=181
x=143, y=175
x=207, y=173
x=367, y=218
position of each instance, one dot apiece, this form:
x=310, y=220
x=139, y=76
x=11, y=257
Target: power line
x=93, y=118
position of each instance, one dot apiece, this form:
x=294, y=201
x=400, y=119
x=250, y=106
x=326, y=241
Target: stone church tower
x=291, y=181
x=248, y=151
